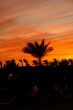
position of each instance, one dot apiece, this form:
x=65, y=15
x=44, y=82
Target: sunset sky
x=23, y=21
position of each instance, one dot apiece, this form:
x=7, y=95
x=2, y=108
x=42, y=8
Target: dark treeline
x=52, y=81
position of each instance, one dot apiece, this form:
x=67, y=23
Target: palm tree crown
x=37, y=50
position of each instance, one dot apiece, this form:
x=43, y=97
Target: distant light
x=10, y=76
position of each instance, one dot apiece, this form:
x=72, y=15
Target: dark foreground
x=53, y=85
x=53, y=106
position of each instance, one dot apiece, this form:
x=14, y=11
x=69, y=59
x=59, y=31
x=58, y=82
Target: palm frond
x=35, y=62
x=31, y=46
x=36, y=49
x=25, y=60
x=27, y=50
x=36, y=45
x=50, y=49
x=42, y=43
x=45, y=47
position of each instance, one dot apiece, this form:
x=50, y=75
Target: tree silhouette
x=7, y=62
x=21, y=61
x=35, y=62
x=37, y=50
x=55, y=62
x=1, y=64
x=26, y=62
x=46, y=63
x=64, y=62
x=11, y=64
x=70, y=61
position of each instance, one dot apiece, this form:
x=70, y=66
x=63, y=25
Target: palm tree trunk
x=39, y=61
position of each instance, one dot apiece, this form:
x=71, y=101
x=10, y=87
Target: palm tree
x=70, y=61
x=64, y=62
x=37, y=50
x=13, y=63
x=21, y=61
x=26, y=62
x=10, y=64
x=1, y=64
x=7, y=62
x=35, y=62
x=46, y=63
x=55, y=62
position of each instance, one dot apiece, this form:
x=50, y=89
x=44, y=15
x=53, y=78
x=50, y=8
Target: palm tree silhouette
x=26, y=62
x=21, y=62
x=37, y=50
x=1, y=64
x=10, y=64
x=70, y=61
x=64, y=62
x=55, y=62
x=7, y=62
x=13, y=63
x=46, y=63
x=35, y=62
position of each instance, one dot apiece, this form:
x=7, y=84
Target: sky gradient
x=23, y=21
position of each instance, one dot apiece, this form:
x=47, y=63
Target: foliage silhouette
x=46, y=63
x=49, y=82
x=21, y=61
x=1, y=64
x=35, y=62
x=26, y=62
x=37, y=50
